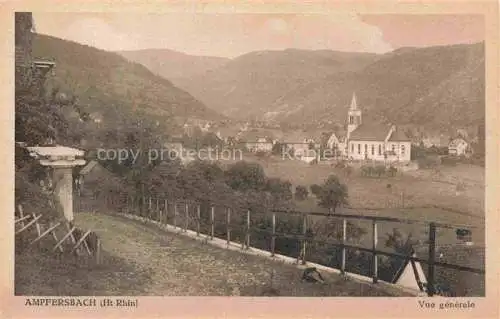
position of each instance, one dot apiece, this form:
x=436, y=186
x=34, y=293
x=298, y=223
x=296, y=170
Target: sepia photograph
x=245, y=154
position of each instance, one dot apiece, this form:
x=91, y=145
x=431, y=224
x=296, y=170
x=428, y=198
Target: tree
x=278, y=148
x=301, y=193
x=280, y=190
x=244, y=176
x=333, y=193
x=315, y=189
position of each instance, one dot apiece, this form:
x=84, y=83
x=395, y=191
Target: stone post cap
x=57, y=155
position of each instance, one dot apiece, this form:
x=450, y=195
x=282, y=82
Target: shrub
x=315, y=189
x=379, y=170
x=301, y=192
x=428, y=162
x=449, y=160
x=333, y=193
x=392, y=171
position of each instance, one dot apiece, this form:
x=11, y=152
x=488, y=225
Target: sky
x=230, y=35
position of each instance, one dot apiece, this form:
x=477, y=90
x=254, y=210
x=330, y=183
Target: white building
x=458, y=147
x=364, y=141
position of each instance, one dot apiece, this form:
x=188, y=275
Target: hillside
x=249, y=84
x=173, y=65
x=436, y=87
x=107, y=83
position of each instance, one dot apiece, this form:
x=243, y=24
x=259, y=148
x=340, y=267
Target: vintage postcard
x=223, y=158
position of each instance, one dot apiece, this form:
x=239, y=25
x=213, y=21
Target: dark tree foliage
x=301, y=192
x=333, y=193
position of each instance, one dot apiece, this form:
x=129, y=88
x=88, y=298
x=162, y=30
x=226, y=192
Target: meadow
x=424, y=195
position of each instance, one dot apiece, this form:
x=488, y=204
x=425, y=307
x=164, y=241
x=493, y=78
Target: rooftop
x=370, y=132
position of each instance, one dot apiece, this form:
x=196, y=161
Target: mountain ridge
x=99, y=77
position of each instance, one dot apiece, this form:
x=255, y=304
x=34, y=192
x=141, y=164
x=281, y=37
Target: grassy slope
x=107, y=82
x=142, y=260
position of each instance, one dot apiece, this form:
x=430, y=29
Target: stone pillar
x=63, y=179
x=62, y=160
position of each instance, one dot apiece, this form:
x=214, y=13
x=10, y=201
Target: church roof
x=377, y=132
x=370, y=132
x=399, y=136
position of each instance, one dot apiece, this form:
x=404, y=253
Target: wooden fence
x=72, y=239
x=184, y=215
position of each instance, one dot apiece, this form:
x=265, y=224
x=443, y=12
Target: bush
x=301, y=192
x=379, y=170
x=392, y=171
x=315, y=189
x=428, y=162
x=450, y=160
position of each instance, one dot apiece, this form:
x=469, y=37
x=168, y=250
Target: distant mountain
x=249, y=85
x=174, y=65
x=438, y=87
x=107, y=83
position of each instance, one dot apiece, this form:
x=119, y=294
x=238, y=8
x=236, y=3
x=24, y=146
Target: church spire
x=354, y=105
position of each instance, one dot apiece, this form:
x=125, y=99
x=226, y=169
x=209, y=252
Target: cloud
x=216, y=34
x=97, y=33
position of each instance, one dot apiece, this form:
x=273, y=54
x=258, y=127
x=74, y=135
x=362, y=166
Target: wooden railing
x=163, y=210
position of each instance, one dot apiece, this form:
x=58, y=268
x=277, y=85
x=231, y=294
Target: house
x=228, y=135
x=370, y=141
x=94, y=179
x=257, y=140
x=337, y=142
x=437, y=141
x=458, y=146
x=302, y=142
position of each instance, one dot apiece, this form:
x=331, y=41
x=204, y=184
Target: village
x=353, y=141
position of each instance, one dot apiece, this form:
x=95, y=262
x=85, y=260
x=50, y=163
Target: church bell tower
x=353, y=117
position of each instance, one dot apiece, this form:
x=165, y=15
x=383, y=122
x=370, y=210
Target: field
x=420, y=195
x=144, y=260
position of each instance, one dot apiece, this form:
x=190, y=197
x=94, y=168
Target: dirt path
x=181, y=266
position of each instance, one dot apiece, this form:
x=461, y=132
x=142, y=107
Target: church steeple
x=354, y=105
x=354, y=116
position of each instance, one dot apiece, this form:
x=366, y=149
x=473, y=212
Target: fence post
x=175, y=215
x=143, y=206
x=212, y=222
x=198, y=217
x=166, y=212
x=98, y=251
x=186, y=213
x=374, y=247
x=248, y=229
x=21, y=214
x=432, y=259
x=273, y=236
x=304, y=242
x=160, y=213
x=228, y=228
x=344, y=236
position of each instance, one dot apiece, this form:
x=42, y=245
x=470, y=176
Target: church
x=369, y=141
